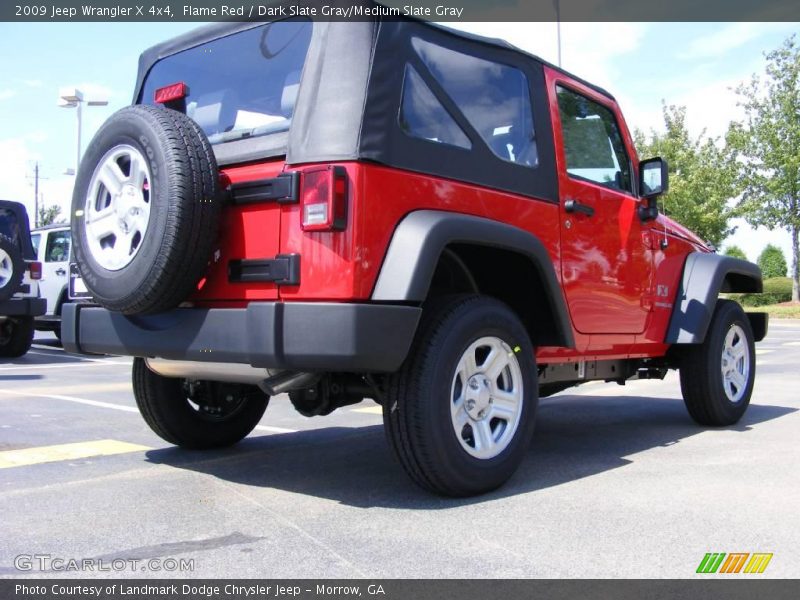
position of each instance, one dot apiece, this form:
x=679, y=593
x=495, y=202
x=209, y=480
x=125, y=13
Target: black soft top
x=349, y=97
x=214, y=31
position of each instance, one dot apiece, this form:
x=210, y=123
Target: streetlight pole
x=557, y=4
x=79, y=112
x=73, y=98
x=36, y=195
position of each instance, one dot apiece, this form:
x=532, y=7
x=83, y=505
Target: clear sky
x=691, y=64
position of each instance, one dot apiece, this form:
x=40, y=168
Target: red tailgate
x=249, y=231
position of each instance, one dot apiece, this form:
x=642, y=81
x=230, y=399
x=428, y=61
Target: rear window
x=9, y=226
x=242, y=85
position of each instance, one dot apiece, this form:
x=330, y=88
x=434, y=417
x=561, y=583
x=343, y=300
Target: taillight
x=171, y=93
x=35, y=269
x=324, y=199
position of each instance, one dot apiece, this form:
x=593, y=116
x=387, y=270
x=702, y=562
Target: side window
x=592, y=142
x=57, y=249
x=494, y=98
x=36, y=238
x=423, y=116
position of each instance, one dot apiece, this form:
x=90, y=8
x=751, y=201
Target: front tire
x=459, y=414
x=197, y=415
x=717, y=376
x=16, y=336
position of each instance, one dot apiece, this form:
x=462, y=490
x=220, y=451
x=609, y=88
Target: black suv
x=19, y=274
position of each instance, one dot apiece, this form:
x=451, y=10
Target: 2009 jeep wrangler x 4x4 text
x=388, y=209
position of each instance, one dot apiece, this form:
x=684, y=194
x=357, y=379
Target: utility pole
x=36, y=177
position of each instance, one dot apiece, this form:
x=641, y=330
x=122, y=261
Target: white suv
x=52, y=245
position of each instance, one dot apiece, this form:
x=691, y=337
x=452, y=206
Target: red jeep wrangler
x=392, y=210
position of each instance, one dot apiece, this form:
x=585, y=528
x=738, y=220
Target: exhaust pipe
x=210, y=371
x=271, y=381
x=288, y=381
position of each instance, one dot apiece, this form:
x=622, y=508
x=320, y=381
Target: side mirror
x=653, y=177
x=653, y=181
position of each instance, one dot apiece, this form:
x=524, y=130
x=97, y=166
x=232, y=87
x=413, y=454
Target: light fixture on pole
x=73, y=98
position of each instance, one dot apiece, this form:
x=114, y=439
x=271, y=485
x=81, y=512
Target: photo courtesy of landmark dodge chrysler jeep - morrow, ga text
x=390, y=210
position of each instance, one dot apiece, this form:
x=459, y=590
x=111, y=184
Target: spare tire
x=12, y=267
x=145, y=210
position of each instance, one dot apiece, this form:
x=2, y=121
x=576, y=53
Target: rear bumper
x=23, y=307
x=295, y=335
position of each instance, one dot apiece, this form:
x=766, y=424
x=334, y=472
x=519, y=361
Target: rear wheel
x=717, y=376
x=460, y=412
x=16, y=336
x=196, y=414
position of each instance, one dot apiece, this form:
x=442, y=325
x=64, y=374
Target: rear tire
x=717, y=376
x=12, y=268
x=459, y=414
x=196, y=414
x=16, y=336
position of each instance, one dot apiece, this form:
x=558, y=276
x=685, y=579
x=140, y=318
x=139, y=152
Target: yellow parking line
x=372, y=410
x=45, y=454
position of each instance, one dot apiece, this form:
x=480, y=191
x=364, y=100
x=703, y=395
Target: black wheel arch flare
x=422, y=236
x=705, y=276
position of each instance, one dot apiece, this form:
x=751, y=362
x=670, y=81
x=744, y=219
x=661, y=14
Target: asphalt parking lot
x=618, y=483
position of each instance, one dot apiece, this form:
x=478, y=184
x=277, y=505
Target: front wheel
x=196, y=414
x=717, y=376
x=460, y=412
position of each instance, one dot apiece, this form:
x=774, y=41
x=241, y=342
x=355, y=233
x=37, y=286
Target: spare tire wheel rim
x=117, y=210
x=486, y=397
x=6, y=268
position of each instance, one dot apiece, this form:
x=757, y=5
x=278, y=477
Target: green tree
x=49, y=215
x=769, y=140
x=772, y=262
x=735, y=252
x=702, y=175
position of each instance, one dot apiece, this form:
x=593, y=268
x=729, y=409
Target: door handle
x=573, y=206
x=60, y=271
